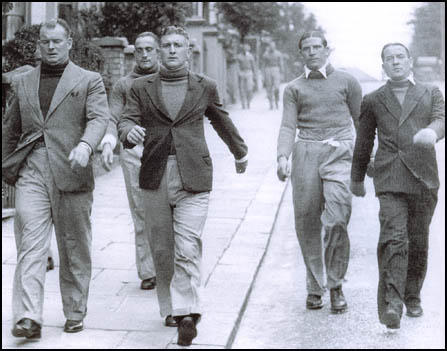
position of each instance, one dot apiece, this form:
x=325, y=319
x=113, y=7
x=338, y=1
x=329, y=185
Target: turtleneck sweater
x=49, y=78
x=399, y=88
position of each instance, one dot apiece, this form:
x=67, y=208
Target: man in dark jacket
x=409, y=118
x=166, y=111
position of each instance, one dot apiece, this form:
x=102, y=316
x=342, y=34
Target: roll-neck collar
x=144, y=72
x=399, y=83
x=174, y=74
x=53, y=69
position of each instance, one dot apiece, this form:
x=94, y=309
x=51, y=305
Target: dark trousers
x=403, y=247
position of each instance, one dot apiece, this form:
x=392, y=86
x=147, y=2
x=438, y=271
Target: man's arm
x=287, y=131
x=11, y=127
x=437, y=123
x=130, y=118
x=354, y=100
x=224, y=126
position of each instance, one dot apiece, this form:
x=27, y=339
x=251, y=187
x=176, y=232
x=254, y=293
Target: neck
x=173, y=74
x=146, y=71
x=47, y=68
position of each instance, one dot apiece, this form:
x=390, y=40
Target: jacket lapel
x=32, y=91
x=70, y=78
x=153, y=89
x=390, y=101
x=412, y=98
x=193, y=95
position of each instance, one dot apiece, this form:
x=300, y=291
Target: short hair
x=52, y=23
x=382, y=55
x=148, y=34
x=174, y=30
x=312, y=34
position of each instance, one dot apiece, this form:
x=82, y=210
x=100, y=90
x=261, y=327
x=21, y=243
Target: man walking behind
x=247, y=75
x=166, y=112
x=409, y=118
x=321, y=103
x=58, y=116
x=146, y=58
x=272, y=67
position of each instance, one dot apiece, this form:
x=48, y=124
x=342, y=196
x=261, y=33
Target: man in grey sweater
x=320, y=103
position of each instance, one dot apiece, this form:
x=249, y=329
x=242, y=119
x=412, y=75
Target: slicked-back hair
x=52, y=23
x=312, y=34
x=148, y=34
x=382, y=55
x=175, y=30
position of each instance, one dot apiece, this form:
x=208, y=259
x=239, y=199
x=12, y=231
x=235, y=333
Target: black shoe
x=186, y=331
x=314, y=302
x=27, y=328
x=338, y=302
x=72, y=326
x=391, y=318
x=148, y=284
x=414, y=309
x=50, y=264
x=170, y=322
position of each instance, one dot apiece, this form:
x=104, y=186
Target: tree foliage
x=128, y=19
x=6, y=7
x=428, y=27
x=250, y=17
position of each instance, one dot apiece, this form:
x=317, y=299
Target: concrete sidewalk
x=242, y=211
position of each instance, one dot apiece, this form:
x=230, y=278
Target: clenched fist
x=283, y=170
x=136, y=135
x=426, y=137
x=357, y=188
x=80, y=155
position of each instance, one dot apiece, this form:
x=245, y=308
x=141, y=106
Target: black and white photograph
x=223, y=175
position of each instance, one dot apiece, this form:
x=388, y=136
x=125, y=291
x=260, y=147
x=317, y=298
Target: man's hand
x=426, y=137
x=357, y=188
x=241, y=166
x=107, y=156
x=80, y=154
x=136, y=135
x=283, y=170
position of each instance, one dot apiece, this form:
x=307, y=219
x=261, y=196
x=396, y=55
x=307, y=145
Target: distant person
x=272, y=68
x=247, y=75
x=166, y=111
x=146, y=59
x=409, y=118
x=321, y=104
x=58, y=116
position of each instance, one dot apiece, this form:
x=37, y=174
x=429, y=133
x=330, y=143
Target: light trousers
x=175, y=219
x=246, y=86
x=321, y=197
x=130, y=160
x=39, y=204
x=272, y=82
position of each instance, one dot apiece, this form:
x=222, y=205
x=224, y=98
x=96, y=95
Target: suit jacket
x=145, y=107
x=398, y=162
x=78, y=112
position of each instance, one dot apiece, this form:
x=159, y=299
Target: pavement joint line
x=247, y=295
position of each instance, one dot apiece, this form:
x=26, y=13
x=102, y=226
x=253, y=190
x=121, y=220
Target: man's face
x=54, y=45
x=146, y=52
x=314, y=53
x=174, y=51
x=396, y=63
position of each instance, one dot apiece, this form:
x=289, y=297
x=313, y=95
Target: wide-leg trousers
x=39, y=204
x=246, y=86
x=272, y=82
x=320, y=179
x=403, y=247
x=175, y=219
x=130, y=160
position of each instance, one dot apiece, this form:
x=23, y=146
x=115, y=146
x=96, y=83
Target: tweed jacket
x=423, y=107
x=145, y=107
x=78, y=112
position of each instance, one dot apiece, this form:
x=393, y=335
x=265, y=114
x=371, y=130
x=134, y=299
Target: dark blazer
x=398, y=162
x=78, y=112
x=145, y=107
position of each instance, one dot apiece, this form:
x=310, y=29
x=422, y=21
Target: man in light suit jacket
x=59, y=115
x=166, y=111
x=410, y=119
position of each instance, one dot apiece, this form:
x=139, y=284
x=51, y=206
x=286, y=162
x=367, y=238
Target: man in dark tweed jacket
x=321, y=103
x=409, y=118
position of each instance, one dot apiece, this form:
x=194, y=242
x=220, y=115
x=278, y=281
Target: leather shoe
x=314, y=302
x=170, y=321
x=148, y=284
x=414, y=309
x=27, y=328
x=186, y=331
x=50, y=264
x=391, y=318
x=338, y=302
x=72, y=326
